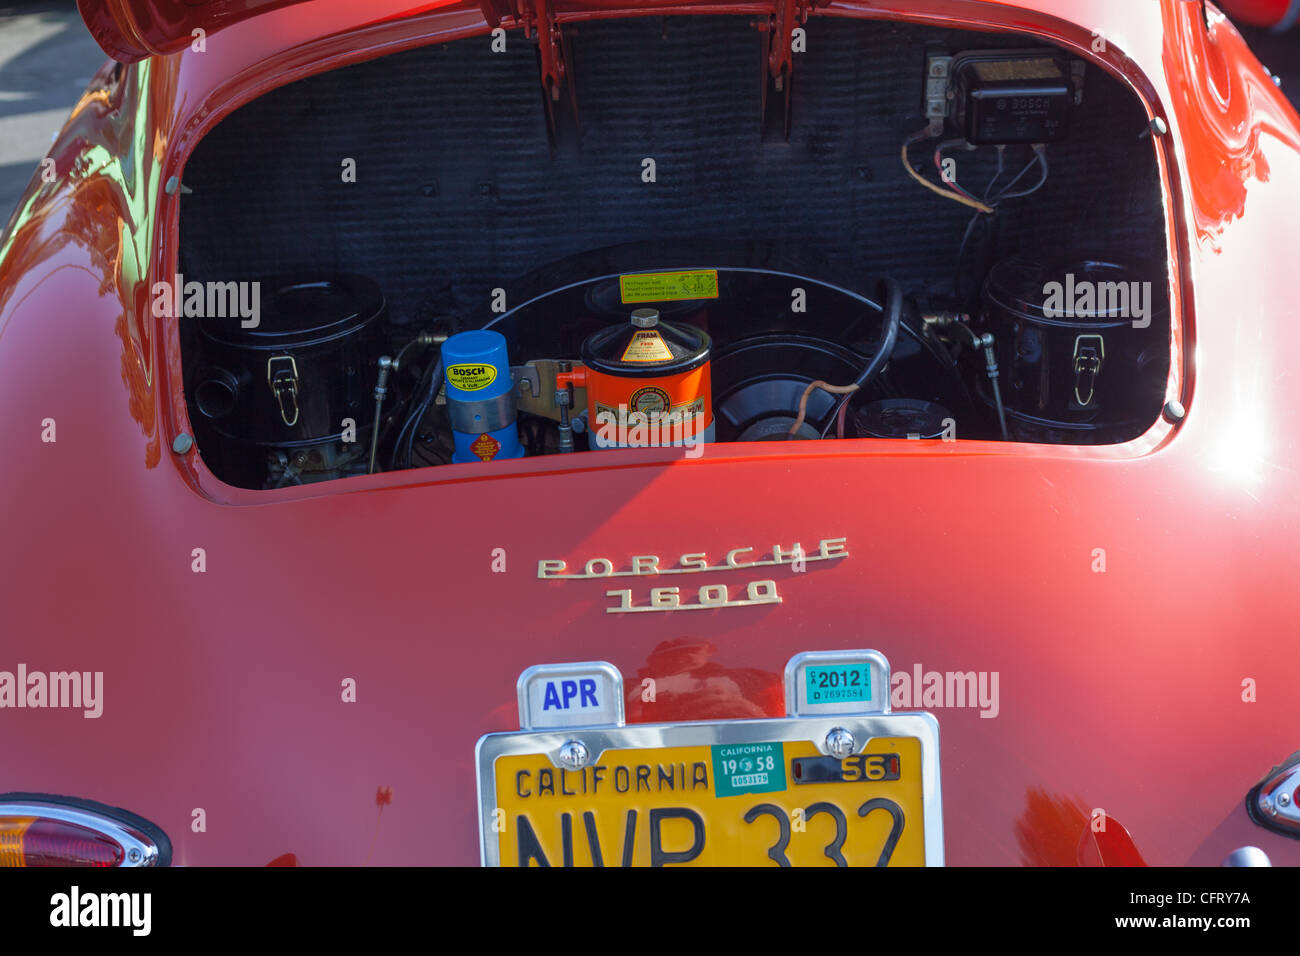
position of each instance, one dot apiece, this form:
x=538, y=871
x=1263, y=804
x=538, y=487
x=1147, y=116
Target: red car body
x=1278, y=14
x=1159, y=690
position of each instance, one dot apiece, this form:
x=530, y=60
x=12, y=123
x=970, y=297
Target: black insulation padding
x=459, y=189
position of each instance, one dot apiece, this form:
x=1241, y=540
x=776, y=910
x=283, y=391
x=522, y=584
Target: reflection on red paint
x=1058, y=830
x=690, y=685
x=1222, y=119
x=1047, y=832
x=1112, y=846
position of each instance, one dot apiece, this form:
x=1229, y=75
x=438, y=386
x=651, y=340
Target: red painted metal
x=130, y=30
x=1262, y=13
x=779, y=58
x=554, y=71
x=1120, y=691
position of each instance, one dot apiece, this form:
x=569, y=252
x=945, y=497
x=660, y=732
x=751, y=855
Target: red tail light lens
x=26, y=841
x=48, y=833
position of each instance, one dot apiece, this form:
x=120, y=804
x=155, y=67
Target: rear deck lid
x=131, y=30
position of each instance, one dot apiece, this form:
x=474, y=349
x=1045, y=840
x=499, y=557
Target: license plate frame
x=798, y=729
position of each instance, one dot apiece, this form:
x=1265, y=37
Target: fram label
x=570, y=695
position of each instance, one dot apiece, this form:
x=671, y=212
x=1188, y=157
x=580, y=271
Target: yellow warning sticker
x=669, y=286
x=471, y=378
x=647, y=345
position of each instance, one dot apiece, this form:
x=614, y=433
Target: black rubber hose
x=891, y=295
x=402, y=447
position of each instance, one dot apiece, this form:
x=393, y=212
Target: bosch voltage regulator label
x=471, y=378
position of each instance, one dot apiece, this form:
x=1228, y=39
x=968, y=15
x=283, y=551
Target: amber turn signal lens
x=25, y=841
x=62, y=831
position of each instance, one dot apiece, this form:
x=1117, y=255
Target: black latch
x=282, y=377
x=1089, y=353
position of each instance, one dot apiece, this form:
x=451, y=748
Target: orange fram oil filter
x=648, y=384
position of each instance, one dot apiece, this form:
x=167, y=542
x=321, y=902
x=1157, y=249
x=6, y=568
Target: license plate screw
x=574, y=755
x=840, y=743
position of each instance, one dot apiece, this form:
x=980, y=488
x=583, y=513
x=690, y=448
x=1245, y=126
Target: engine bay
x=931, y=235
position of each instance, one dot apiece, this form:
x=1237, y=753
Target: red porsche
x=705, y=432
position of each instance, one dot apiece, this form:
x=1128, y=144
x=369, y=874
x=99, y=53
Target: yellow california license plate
x=733, y=798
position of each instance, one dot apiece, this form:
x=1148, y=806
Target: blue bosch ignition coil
x=481, y=396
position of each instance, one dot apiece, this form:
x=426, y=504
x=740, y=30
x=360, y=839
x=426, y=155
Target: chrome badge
x=707, y=597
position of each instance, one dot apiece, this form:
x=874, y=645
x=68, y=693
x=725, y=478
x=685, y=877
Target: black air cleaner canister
x=1078, y=344
x=310, y=362
x=648, y=384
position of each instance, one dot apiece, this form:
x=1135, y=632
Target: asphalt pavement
x=47, y=58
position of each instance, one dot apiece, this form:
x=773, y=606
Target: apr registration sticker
x=570, y=695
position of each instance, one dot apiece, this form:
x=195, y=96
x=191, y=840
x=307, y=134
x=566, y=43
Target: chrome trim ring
x=138, y=849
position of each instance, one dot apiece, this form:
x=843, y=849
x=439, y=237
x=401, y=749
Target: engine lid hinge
x=494, y=11
x=554, y=59
x=779, y=47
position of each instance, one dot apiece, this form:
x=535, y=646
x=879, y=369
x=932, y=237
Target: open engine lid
x=130, y=30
